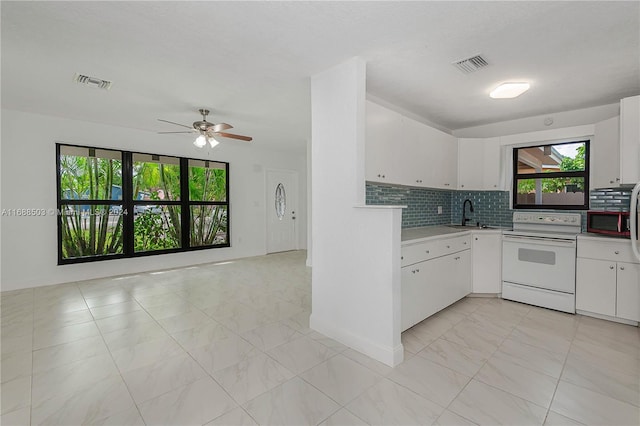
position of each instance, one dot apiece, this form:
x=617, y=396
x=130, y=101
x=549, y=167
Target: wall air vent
x=469, y=65
x=92, y=81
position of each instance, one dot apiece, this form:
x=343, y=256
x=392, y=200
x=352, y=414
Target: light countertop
x=427, y=232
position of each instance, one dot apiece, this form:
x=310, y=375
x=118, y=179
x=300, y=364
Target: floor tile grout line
x=566, y=358
x=472, y=377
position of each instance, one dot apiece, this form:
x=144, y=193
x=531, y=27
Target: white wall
x=356, y=249
x=29, y=244
x=572, y=118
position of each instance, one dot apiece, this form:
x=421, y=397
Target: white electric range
x=539, y=260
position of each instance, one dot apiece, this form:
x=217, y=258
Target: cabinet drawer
x=606, y=249
x=455, y=244
x=419, y=252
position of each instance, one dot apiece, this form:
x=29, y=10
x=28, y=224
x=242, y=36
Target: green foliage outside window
x=89, y=230
x=526, y=186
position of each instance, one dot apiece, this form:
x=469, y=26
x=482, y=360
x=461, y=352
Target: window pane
x=90, y=174
x=156, y=177
x=208, y=225
x=157, y=228
x=91, y=230
x=207, y=181
x=555, y=191
x=551, y=158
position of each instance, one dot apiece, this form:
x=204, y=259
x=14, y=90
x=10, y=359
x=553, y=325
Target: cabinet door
x=628, y=298
x=604, y=151
x=412, y=170
x=487, y=259
x=630, y=140
x=383, y=144
x=596, y=286
x=492, y=177
x=443, y=159
x=413, y=294
x=470, y=164
x=461, y=272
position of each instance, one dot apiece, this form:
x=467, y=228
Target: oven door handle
x=556, y=242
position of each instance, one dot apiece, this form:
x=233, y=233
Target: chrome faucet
x=464, y=211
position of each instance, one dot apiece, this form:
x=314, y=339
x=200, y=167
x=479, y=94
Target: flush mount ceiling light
x=509, y=90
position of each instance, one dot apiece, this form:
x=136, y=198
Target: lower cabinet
x=607, y=279
x=628, y=291
x=432, y=285
x=487, y=257
x=596, y=286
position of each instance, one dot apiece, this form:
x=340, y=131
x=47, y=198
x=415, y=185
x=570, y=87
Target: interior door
x=282, y=206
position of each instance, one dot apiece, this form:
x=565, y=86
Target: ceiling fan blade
x=217, y=128
x=177, y=124
x=232, y=136
x=164, y=133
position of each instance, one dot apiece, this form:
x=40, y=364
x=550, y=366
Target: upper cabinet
x=402, y=151
x=479, y=164
x=605, y=154
x=630, y=140
x=382, y=156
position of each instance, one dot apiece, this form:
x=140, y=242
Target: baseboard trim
x=388, y=355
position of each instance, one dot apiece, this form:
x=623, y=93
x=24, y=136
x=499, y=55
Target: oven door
x=547, y=263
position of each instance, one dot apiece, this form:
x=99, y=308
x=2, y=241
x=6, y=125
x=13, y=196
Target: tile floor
x=229, y=344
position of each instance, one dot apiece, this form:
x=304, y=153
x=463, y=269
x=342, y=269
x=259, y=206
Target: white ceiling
x=250, y=62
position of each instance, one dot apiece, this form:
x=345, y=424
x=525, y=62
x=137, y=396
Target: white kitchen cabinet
x=382, y=153
x=630, y=140
x=604, y=152
x=596, y=286
x=435, y=274
x=443, y=159
x=487, y=258
x=628, y=291
x=493, y=176
x=607, y=278
x=470, y=164
x=403, y=151
x=414, y=171
x=479, y=164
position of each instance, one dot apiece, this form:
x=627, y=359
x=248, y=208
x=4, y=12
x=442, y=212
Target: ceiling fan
x=207, y=131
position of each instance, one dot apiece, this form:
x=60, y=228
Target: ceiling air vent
x=470, y=65
x=92, y=81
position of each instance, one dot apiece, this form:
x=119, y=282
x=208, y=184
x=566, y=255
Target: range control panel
x=571, y=219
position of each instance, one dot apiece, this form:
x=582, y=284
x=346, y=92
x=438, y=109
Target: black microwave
x=617, y=224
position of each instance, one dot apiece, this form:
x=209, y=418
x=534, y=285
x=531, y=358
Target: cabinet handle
x=461, y=186
x=616, y=252
x=622, y=268
x=383, y=176
x=401, y=257
x=427, y=251
x=476, y=239
x=457, y=258
x=448, y=246
x=417, y=270
x=446, y=184
x=611, y=267
x=465, y=243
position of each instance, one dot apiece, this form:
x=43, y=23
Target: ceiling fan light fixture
x=509, y=90
x=200, y=141
x=212, y=141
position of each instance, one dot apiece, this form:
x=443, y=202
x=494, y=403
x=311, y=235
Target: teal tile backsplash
x=422, y=203
x=491, y=208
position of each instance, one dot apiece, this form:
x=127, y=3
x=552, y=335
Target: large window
x=116, y=204
x=554, y=176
